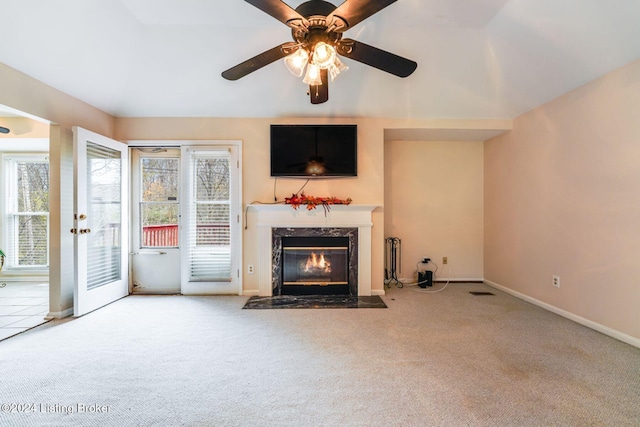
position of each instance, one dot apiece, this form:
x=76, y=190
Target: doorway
x=155, y=220
x=185, y=218
x=24, y=222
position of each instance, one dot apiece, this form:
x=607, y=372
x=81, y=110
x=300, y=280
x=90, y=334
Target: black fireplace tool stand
x=392, y=261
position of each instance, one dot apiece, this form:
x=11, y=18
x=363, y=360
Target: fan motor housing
x=317, y=34
x=315, y=12
x=315, y=8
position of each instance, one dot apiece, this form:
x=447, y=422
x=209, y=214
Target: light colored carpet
x=445, y=359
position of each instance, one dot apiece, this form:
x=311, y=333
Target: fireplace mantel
x=337, y=216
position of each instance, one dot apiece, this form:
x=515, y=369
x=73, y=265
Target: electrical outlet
x=250, y=269
x=445, y=260
x=555, y=281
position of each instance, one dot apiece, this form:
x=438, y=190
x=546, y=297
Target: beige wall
x=562, y=197
x=434, y=204
x=26, y=94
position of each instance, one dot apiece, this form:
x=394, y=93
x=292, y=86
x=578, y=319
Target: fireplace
x=315, y=266
x=315, y=261
x=277, y=221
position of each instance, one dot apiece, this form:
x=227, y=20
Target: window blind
x=209, y=210
x=104, y=205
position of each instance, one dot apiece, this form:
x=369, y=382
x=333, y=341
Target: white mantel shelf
x=285, y=216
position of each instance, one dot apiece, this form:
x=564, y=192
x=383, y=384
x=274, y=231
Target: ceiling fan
x=316, y=28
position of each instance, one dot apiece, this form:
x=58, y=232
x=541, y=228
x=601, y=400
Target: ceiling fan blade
x=320, y=93
x=353, y=12
x=281, y=11
x=257, y=62
x=377, y=58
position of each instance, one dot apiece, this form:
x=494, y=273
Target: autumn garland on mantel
x=296, y=200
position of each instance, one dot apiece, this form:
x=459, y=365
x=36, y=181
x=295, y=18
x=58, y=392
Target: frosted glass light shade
x=323, y=55
x=297, y=61
x=313, y=75
x=336, y=68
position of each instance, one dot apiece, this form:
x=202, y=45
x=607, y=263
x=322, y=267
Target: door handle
x=81, y=231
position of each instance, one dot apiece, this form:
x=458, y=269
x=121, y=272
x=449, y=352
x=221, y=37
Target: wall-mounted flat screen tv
x=314, y=151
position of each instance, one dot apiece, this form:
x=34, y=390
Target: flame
x=317, y=262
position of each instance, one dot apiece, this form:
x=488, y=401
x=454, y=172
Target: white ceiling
x=476, y=58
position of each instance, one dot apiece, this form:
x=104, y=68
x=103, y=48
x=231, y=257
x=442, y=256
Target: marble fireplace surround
x=276, y=251
x=283, y=216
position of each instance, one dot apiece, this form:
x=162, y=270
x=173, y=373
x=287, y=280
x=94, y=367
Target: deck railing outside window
x=167, y=235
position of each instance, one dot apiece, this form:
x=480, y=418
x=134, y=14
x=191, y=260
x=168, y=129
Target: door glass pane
x=159, y=208
x=104, y=173
x=212, y=177
x=209, y=248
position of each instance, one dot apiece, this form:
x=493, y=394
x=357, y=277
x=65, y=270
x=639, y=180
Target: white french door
x=100, y=220
x=211, y=231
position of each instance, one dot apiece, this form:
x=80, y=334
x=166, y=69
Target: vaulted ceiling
x=476, y=58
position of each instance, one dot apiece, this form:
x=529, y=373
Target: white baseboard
x=568, y=315
x=59, y=314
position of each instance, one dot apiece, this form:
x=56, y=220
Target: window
x=25, y=228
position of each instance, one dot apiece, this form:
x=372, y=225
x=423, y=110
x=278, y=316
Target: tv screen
x=314, y=151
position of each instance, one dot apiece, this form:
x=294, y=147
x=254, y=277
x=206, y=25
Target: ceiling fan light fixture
x=312, y=78
x=324, y=55
x=297, y=61
x=317, y=28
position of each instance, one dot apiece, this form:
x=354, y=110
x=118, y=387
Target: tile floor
x=22, y=306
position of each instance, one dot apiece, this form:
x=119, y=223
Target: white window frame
x=9, y=194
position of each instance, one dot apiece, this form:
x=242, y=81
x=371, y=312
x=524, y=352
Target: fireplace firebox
x=315, y=265
x=315, y=261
